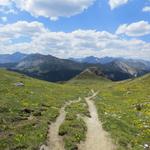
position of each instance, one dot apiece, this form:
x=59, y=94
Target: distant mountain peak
x=51, y=68
x=91, y=73
x=94, y=60
x=12, y=58
x=18, y=53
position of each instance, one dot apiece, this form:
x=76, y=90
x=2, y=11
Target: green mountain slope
x=49, y=68
x=90, y=73
x=124, y=109
x=27, y=105
x=25, y=111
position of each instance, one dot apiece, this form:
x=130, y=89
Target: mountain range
x=107, y=60
x=94, y=60
x=50, y=68
x=11, y=58
x=118, y=68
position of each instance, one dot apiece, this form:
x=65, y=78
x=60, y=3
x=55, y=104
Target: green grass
x=74, y=129
x=123, y=108
x=125, y=112
x=43, y=101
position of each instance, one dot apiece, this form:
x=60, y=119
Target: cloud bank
x=33, y=37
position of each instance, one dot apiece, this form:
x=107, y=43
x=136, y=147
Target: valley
x=28, y=111
x=53, y=69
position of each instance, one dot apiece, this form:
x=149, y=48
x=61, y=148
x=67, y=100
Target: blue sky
x=89, y=27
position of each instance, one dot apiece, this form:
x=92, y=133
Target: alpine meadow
x=74, y=75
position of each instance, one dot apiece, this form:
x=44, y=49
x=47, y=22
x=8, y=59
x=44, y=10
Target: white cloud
x=53, y=9
x=116, y=3
x=31, y=37
x=140, y=28
x=4, y=2
x=6, y=7
x=146, y=9
x=20, y=29
x=4, y=19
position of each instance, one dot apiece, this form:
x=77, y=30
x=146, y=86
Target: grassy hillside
x=123, y=108
x=25, y=111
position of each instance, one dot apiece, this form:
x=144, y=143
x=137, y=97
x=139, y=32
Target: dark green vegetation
x=50, y=68
x=119, y=68
x=25, y=111
x=54, y=69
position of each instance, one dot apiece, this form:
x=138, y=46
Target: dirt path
x=55, y=142
x=97, y=138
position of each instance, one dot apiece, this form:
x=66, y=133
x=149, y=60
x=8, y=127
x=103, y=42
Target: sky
x=76, y=28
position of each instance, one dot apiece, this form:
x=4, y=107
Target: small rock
x=146, y=146
x=30, y=117
x=19, y=84
x=43, y=147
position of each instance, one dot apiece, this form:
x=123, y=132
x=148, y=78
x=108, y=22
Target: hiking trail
x=96, y=137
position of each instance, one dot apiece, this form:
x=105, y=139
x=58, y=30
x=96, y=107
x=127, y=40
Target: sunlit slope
x=90, y=78
x=26, y=110
x=124, y=109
